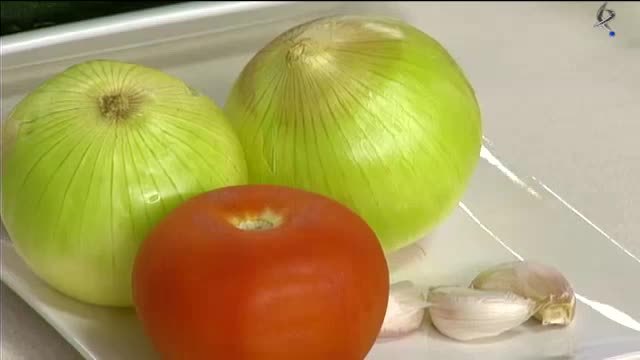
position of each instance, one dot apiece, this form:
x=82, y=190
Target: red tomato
x=310, y=283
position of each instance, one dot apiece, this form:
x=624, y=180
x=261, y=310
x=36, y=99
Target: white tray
x=504, y=215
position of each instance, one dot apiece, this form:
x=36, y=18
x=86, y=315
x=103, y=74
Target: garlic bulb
x=545, y=285
x=405, y=310
x=467, y=314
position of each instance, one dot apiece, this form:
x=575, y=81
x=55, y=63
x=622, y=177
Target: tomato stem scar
x=267, y=220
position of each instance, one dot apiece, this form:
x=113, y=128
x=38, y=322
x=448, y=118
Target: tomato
x=261, y=272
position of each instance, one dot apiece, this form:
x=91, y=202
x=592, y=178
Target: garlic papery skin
x=405, y=310
x=467, y=314
x=542, y=283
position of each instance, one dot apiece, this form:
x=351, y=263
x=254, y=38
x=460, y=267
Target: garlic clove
x=557, y=312
x=542, y=283
x=405, y=310
x=466, y=314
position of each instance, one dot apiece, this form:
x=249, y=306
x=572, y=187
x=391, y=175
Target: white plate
x=505, y=214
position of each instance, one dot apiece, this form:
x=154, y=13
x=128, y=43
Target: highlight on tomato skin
x=261, y=272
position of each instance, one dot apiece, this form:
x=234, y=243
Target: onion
x=369, y=111
x=94, y=158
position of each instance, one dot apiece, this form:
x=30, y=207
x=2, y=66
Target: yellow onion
x=369, y=111
x=94, y=158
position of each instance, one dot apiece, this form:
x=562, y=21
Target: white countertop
x=561, y=102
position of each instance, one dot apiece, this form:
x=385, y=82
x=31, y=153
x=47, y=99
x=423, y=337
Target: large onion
x=94, y=158
x=369, y=111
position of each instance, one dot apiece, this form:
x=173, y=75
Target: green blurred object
x=19, y=16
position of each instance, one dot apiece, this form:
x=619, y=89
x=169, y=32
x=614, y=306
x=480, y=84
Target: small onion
x=94, y=158
x=369, y=111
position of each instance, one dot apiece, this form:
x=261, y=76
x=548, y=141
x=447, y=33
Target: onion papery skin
x=369, y=111
x=94, y=158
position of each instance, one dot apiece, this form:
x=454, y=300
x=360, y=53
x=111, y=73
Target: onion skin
x=371, y=112
x=94, y=158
